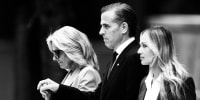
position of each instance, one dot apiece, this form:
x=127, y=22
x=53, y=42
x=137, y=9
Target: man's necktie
x=114, y=57
x=113, y=60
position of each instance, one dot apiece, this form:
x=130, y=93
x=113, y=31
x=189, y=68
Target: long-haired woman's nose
x=139, y=51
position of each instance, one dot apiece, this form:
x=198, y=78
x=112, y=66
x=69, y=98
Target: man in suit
x=124, y=74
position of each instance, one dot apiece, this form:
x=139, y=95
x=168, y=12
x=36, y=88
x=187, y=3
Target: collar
x=150, y=78
x=152, y=88
x=124, y=45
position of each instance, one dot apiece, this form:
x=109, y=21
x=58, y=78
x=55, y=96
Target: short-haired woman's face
x=62, y=59
x=146, y=54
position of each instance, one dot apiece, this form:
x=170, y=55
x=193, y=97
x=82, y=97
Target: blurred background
x=25, y=25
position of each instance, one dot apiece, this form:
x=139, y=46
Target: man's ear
x=124, y=27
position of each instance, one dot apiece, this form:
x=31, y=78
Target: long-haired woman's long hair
x=172, y=70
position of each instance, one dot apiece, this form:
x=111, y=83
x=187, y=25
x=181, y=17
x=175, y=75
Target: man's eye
x=106, y=26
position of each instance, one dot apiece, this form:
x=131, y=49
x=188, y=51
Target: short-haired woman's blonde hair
x=75, y=45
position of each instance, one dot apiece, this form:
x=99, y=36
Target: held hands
x=46, y=87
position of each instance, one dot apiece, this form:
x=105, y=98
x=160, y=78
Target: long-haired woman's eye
x=143, y=45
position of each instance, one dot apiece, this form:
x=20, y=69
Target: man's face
x=110, y=30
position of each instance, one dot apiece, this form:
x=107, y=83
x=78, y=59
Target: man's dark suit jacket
x=122, y=84
x=187, y=90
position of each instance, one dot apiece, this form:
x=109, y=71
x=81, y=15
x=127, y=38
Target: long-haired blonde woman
x=73, y=51
x=167, y=79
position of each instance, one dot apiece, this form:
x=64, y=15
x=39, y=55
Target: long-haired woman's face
x=146, y=54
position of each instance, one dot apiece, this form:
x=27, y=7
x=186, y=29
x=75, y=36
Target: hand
x=46, y=87
x=47, y=96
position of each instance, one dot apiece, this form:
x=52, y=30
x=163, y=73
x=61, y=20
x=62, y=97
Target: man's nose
x=101, y=32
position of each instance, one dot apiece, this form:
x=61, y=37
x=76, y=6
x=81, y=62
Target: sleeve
x=89, y=79
x=70, y=93
x=89, y=88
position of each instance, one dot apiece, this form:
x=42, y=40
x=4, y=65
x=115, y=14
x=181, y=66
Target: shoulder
x=188, y=80
x=131, y=51
x=188, y=83
x=189, y=90
x=133, y=47
x=89, y=71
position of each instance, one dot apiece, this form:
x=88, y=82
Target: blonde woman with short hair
x=73, y=51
